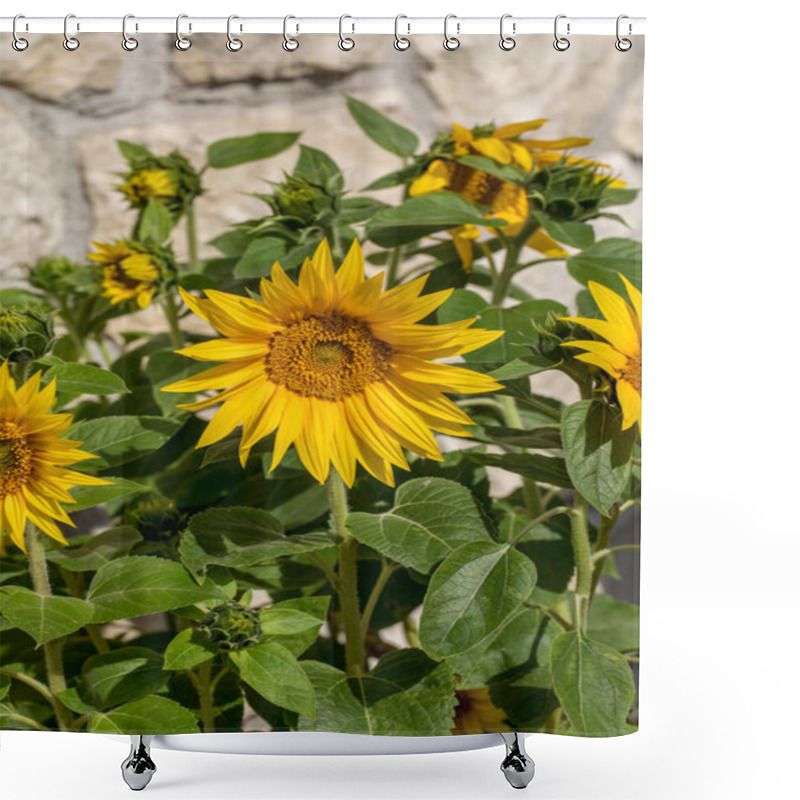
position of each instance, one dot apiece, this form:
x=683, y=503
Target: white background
x=721, y=562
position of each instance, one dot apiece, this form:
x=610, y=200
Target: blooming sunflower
x=148, y=184
x=621, y=354
x=339, y=368
x=507, y=201
x=34, y=479
x=476, y=713
x=129, y=272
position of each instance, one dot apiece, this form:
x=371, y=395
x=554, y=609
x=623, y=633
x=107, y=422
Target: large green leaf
x=137, y=585
x=546, y=469
x=147, y=715
x=155, y=223
x=76, y=379
x=604, y=259
x=422, y=216
x=597, y=452
x=116, y=440
x=510, y=345
x=275, y=674
x=240, y=537
x=44, y=617
x=594, y=684
x=471, y=594
x=260, y=255
x=614, y=622
x=383, y=131
x=97, y=551
x=406, y=694
x=188, y=649
x=88, y=496
x=542, y=438
x=431, y=518
x=241, y=149
x=574, y=234
x=295, y=623
x=110, y=679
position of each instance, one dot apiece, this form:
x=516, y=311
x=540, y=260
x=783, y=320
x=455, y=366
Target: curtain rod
x=298, y=25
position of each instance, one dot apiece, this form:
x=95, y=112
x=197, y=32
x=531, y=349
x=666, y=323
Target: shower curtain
x=321, y=386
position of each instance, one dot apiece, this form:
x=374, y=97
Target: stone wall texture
x=60, y=113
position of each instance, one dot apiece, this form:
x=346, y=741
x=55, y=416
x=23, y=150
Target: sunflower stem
x=191, y=238
x=394, y=266
x=355, y=651
x=171, y=313
x=514, y=247
x=583, y=562
x=602, y=550
x=53, y=655
x=201, y=680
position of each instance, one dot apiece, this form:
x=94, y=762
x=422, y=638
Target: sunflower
x=148, y=184
x=621, y=354
x=34, y=480
x=476, y=713
x=337, y=367
x=130, y=272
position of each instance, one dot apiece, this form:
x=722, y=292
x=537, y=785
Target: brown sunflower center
x=16, y=458
x=328, y=357
x=632, y=372
x=474, y=185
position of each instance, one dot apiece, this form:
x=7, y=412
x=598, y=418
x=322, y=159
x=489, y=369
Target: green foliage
x=242, y=149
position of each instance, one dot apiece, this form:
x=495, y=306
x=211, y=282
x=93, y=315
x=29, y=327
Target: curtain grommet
x=17, y=42
x=561, y=43
x=181, y=42
x=233, y=44
x=401, y=43
x=71, y=43
x=451, y=43
x=623, y=45
x=290, y=43
x=507, y=43
x=346, y=43
x=129, y=43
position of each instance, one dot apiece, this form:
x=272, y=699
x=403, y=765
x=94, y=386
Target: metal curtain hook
x=233, y=44
x=181, y=42
x=128, y=42
x=346, y=42
x=560, y=42
x=507, y=42
x=71, y=43
x=400, y=42
x=17, y=42
x=290, y=44
x=623, y=45
x=451, y=42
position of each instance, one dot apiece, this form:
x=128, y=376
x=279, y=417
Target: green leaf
x=357, y=209
x=594, y=684
x=241, y=149
x=137, y=585
x=395, y=178
x=574, y=234
x=617, y=197
x=462, y=304
x=275, y=674
x=148, y=715
x=544, y=438
x=76, y=379
x=506, y=172
x=545, y=469
x=260, y=255
x=132, y=151
x=422, y=216
x=155, y=223
x=318, y=168
x=522, y=368
x=614, y=622
x=240, y=537
x=431, y=518
x=603, y=260
x=188, y=649
x=117, y=440
x=597, y=452
x=88, y=496
x=110, y=679
x=98, y=551
x=407, y=694
x=510, y=345
x=295, y=623
x=44, y=617
x=470, y=595
x=385, y=133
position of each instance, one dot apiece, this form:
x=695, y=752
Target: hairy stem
x=171, y=313
x=191, y=238
x=53, y=658
x=201, y=680
x=601, y=549
x=394, y=266
x=355, y=650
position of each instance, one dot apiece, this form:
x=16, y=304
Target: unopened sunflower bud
x=26, y=333
x=155, y=516
x=231, y=626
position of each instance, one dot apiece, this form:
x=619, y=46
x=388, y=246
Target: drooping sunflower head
x=34, y=479
x=131, y=271
x=335, y=366
x=148, y=184
x=620, y=355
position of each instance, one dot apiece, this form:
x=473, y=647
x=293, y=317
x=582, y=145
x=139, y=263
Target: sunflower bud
x=298, y=198
x=26, y=333
x=231, y=626
x=155, y=516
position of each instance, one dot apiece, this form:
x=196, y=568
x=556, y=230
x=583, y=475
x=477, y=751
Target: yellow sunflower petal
x=631, y=402
x=516, y=129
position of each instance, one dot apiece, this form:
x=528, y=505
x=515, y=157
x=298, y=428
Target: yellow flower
x=337, y=366
x=476, y=713
x=34, y=480
x=128, y=273
x=148, y=184
x=621, y=354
